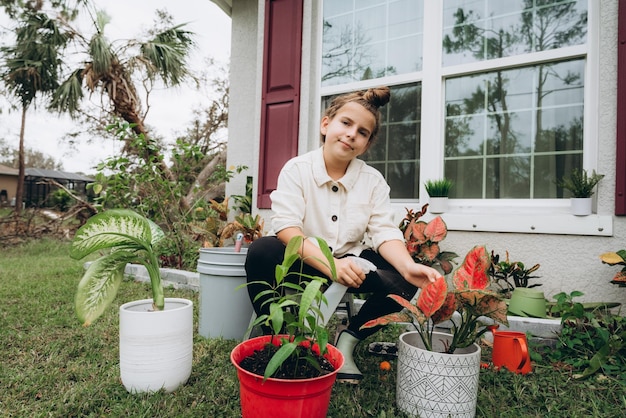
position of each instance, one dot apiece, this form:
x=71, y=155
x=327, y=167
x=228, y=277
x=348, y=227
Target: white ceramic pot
x=435, y=384
x=156, y=347
x=437, y=204
x=581, y=206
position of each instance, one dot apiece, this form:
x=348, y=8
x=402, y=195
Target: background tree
x=31, y=67
x=32, y=158
x=113, y=72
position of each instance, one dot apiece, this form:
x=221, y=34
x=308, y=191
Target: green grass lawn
x=51, y=366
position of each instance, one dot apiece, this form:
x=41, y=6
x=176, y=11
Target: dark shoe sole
x=349, y=378
x=383, y=349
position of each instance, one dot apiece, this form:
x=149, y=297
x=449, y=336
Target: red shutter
x=280, y=102
x=620, y=140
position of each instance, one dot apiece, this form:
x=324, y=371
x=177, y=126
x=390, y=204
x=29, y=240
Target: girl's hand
x=348, y=273
x=420, y=275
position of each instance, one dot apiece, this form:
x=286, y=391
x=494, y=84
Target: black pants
x=267, y=252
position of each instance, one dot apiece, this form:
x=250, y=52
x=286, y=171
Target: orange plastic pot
x=283, y=398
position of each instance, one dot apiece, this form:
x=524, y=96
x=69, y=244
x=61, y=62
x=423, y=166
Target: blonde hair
x=371, y=99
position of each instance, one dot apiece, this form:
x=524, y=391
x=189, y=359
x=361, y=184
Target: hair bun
x=378, y=96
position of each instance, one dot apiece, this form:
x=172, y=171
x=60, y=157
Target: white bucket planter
x=225, y=311
x=156, y=347
x=435, y=384
x=438, y=204
x=581, y=206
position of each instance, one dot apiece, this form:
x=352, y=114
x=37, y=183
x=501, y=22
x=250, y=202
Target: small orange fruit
x=385, y=366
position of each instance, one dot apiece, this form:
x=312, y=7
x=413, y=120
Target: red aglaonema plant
x=436, y=303
x=423, y=238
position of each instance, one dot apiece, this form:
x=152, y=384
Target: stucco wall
x=245, y=92
x=568, y=262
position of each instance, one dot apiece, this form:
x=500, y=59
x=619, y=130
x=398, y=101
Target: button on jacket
x=341, y=212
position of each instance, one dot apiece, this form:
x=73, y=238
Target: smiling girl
x=329, y=193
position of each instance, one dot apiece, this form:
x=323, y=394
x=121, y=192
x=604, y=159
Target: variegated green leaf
x=99, y=285
x=114, y=228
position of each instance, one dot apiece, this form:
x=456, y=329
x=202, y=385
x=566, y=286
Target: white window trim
x=539, y=216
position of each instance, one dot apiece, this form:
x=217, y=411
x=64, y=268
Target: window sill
x=527, y=220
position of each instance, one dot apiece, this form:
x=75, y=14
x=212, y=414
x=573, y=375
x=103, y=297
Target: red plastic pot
x=283, y=398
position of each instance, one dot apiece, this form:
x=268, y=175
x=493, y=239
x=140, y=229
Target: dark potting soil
x=300, y=366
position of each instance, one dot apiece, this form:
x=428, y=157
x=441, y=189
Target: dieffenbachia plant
x=131, y=238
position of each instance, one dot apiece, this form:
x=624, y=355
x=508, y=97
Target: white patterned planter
x=435, y=384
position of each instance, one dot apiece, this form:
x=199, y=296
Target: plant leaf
x=308, y=296
x=472, y=274
x=417, y=232
x=120, y=228
x=432, y=296
x=447, y=309
x=279, y=358
x=436, y=230
x=413, y=309
x=612, y=258
x=388, y=319
x=99, y=285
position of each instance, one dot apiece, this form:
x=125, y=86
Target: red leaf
x=388, y=319
x=430, y=252
x=436, y=230
x=417, y=231
x=432, y=296
x=447, y=309
x=472, y=274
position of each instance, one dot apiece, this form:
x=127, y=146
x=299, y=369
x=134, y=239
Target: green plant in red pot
x=469, y=297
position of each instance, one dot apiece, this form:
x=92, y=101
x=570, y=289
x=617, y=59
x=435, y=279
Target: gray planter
x=224, y=310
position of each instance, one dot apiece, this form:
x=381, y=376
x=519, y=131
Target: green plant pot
x=528, y=302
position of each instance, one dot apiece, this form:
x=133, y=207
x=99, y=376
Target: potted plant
x=438, y=191
x=581, y=185
x=289, y=373
x=508, y=275
x=613, y=259
x=156, y=335
x=423, y=238
x=224, y=312
x=429, y=360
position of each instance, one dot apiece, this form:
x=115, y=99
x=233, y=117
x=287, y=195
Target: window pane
x=507, y=178
x=519, y=121
x=396, y=152
x=476, y=30
x=467, y=175
x=370, y=39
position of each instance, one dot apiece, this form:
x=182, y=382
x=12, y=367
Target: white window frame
x=540, y=216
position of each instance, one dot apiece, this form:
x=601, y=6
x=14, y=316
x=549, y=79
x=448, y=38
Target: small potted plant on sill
x=581, y=185
x=617, y=258
x=438, y=192
x=289, y=373
x=470, y=307
x=156, y=335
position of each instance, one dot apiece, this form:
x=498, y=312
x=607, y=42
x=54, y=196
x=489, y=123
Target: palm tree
x=31, y=67
x=112, y=72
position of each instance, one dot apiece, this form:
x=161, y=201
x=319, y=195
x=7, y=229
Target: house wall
x=245, y=92
x=8, y=183
x=568, y=262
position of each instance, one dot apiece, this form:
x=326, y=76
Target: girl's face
x=348, y=132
